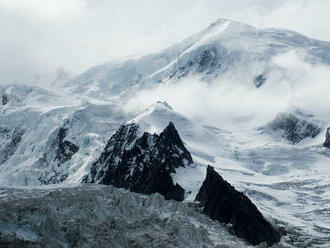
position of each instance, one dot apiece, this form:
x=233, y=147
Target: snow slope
x=224, y=48
x=40, y=114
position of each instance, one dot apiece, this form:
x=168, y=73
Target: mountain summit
x=225, y=47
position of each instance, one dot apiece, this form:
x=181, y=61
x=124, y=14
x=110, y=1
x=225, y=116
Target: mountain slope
x=33, y=151
x=224, y=48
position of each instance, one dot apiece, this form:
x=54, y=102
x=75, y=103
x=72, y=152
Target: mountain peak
x=163, y=104
x=219, y=21
x=221, y=201
x=229, y=24
x=144, y=165
x=158, y=106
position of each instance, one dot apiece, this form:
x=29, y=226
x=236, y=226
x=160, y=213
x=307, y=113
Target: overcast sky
x=38, y=36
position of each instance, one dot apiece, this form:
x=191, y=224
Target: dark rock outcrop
x=327, y=139
x=294, y=129
x=206, y=61
x=224, y=203
x=259, y=80
x=64, y=148
x=57, y=153
x=10, y=139
x=142, y=164
x=5, y=99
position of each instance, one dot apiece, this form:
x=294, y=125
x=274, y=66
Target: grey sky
x=38, y=36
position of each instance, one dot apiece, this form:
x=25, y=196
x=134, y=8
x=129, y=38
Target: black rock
x=142, y=164
x=57, y=153
x=224, y=203
x=327, y=139
x=11, y=138
x=5, y=99
x=259, y=80
x=206, y=61
x=294, y=129
x=65, y=149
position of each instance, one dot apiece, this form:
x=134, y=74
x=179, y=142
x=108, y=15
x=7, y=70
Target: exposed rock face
x=5, y=99
x=260, y=80
x=57, y=153
x=65, y=149
x=142, y=164
x=10, y=140
x=223, y=202
x=327, y=139
x=206, y=61
x=294, y=129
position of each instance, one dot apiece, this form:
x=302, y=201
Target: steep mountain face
x=142, y=164
x=5, y=99
x=222, y=202
x=293, y=128
x=10, y=139
x=57, y=153
x=40, y=131
x=327, y=139
x=224, y=48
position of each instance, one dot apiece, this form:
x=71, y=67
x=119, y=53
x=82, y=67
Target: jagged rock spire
x=223, y=202
x=144, y=163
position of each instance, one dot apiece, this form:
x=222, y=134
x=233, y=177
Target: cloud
x=58, y=10
x=309, y=17
x=38, y=36
x=238, y=104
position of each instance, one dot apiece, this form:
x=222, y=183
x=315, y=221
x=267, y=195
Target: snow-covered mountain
x=68, y=133
x=62, y=133
x=226, y=47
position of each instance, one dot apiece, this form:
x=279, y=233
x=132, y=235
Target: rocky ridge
x=142, y=163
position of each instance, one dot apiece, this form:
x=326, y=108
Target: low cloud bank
x=238, y=103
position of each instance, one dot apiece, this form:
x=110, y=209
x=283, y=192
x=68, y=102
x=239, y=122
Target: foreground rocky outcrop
x=142, y=163
x=103, y=216
x=294, y=128
x=223, y=202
